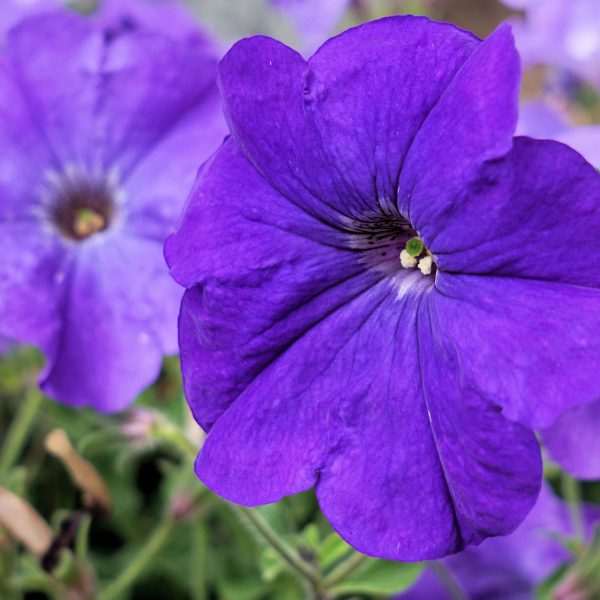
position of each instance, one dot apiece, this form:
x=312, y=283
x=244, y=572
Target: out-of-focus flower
x=380, y=283
x=542, y=120
x=563, y=34
x=170, y=17
x=102, y=127
x=12, y=11
x=508, y=567
x=314, y=20
x=574, y=440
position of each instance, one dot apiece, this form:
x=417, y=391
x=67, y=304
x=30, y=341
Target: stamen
x=87, y=222
x=426, y=264
x=407, y=260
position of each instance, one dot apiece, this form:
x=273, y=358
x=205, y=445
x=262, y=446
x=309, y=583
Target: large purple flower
x=316, y=356
x=511, y=567
x=102, y=127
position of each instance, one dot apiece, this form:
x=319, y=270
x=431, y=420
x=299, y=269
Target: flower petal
x=529, y=216
x=119, y=319
x=574, y=440
x=264, y=275
x=160, y=183
x=32, y=281
x=332, y=133
x=406, y=467
x=530, y=346
x=118, y=93
x=473, y=122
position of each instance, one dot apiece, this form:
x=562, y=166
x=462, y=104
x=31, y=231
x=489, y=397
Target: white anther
x=407, y=261
x=425, y=265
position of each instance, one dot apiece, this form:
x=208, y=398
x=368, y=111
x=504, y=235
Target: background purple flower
x=311, y=353
x=511, y=567
x=560, y=33
x=12, y=11
x=542, y=120
x=314, y=20
x=101, y=131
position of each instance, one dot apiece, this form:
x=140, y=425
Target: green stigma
x=415, y=246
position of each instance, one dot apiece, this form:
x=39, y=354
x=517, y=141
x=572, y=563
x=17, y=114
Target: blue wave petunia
x=315, y=355
x=102, y=124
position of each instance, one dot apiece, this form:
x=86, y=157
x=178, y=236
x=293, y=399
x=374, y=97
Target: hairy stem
x=141, y=562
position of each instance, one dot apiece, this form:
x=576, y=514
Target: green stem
x=140, y=563
x=572, y=491
x=199, y=558
x=446, y=577
x=287, y=553
x=19, y=431
x=345, y=568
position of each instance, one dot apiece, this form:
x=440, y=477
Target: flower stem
x=572, y=492
x=446, y=577
x=141, y=562
x=19, y=431
x=287, y=553
x=345, y=568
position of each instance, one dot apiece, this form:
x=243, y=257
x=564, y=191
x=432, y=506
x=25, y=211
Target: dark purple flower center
x=82, y=207
x=389, y=243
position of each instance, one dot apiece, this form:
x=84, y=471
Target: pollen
x=88, y=222
x=407, y=260
x=426, y=264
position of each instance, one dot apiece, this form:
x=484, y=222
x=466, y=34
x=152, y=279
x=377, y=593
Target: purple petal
x=32, y=282
x=116, y=323
x=347, y=107
x=574, y=440
x=294, y=260
x=528, y=345
x=584, y=139
x=159, y=185
x=473, y=122
x=14, y=11
x=539, y=119
x=116, y=96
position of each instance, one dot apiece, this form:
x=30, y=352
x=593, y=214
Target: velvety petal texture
x=105, y=119
x=315, y=352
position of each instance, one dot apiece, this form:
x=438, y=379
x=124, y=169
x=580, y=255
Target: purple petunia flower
x=314, y=20
x=563, y=34
x=380, y=283
x=102, y=126
x=510, y=567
